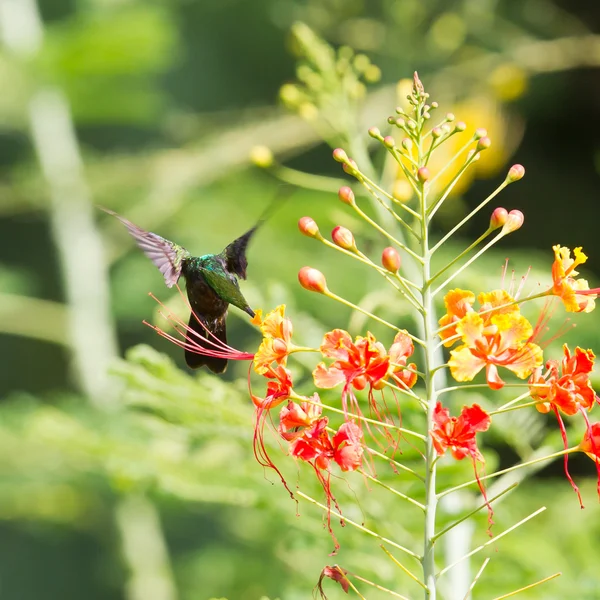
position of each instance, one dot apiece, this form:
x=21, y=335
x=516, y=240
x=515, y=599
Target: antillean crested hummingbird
x=211, y=283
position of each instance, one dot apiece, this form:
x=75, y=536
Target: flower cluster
x=483, y=332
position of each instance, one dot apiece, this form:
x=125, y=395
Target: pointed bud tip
x=515, y=173
x=343, y=238
x=308, y=226
x=390, y=259
x=312, y=280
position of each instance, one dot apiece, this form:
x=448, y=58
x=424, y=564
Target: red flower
x=277, y=391
x=348, y=446
x=357, y=364
x=295, y=417
x=400, y=350
x=570, y=390
x=458, y=433
x=337, y=574
x=591, y=442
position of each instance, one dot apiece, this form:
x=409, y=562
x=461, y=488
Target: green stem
x=469, y=216
x=493, y=540
x=358, y=525
x=429, y=328
x=474, y=511
x=513, y=468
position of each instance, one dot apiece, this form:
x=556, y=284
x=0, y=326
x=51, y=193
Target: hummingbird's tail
x=205, y=331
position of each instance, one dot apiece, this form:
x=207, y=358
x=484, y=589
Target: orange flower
x=570, y=390
x=458, y=433
x=502, y=342
x=575, y=293
x=458, y=304
x=357, y=363
x=276, y=345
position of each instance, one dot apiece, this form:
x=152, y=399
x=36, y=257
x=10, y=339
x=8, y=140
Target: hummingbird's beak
x=250, y=311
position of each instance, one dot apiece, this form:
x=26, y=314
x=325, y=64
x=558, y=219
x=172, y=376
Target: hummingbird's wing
x=226, y=288
x=235, y=253
x=166, y=255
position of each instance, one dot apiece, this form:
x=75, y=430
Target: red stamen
x=594, y=448
x=563, y=433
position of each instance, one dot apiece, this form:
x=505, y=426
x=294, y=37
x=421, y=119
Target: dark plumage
x=211, y=283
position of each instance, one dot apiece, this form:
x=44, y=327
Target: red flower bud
x=423, y=174
x=340, y=156
x=390, y=259
x=514, y=221
x=312, y=280
x=346, y=195
x=515, y=173
x=499, y=217
x=308, y=226
x=343, y=238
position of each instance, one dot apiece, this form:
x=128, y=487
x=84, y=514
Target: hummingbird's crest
x=166, y=255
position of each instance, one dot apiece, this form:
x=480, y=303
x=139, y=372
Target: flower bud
x=399, y=122
x=436, y=132
x=460, y=126
x=346, y=195
x=350, y=167
x=261, y=156
x=423, y=174
x=389, y=141
x=434, y=105
x=340, y=156
x=515, y=173
x=407, y=144
x=514, y=221
x=479, y=133
x=390, y=259
x=483, y=144
x=343, y=238
x=312, y=280
x=450, y=117
x=499, y=217
x=308, y=226
x=375, y=133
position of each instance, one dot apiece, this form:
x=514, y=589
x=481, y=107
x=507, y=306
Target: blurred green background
x=152, y=108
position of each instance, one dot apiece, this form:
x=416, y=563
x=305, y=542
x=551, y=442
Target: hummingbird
x=211, y=283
